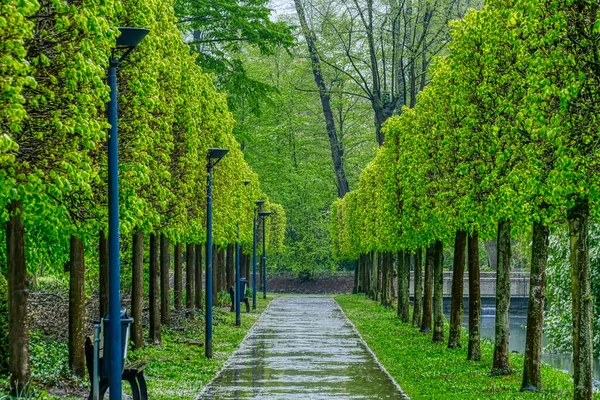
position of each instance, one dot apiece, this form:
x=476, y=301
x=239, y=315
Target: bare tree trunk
x=428, y=292
x=405, y=289
x=438, y=292
x=18, y=335
x=356, y=272
x=154, y=302
x=230, y=267
x=401, y=277
x=178, y=279
x=103, y=256
x=337, y=152
x=491, y=249
x=501, y=365
x=165, y=281
x=418, y=289
x=581, y=293
x=198, y=274
x=474, y=351
x=189, y=280
x=532, y=372
x=137, y=288
x=375, y=276
x=77, y=306
x=458, y=273
x=216, y=267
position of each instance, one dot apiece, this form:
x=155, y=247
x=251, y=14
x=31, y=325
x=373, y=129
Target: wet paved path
x=302, y=348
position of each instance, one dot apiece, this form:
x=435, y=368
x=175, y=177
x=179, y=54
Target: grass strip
x=427, y=370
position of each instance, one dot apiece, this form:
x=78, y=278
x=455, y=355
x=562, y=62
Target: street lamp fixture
x=259, y=204
x=264, y=215
x=214, y=156
x=128, y=40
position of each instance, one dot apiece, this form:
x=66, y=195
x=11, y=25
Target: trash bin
x=125, y=325
x=243, y=288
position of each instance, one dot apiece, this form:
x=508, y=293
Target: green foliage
x=3, y=325
x=426, y=370
x=220, y=30
x=49, y=360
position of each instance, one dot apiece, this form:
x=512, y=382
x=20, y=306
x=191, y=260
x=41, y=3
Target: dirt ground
x=321, y=284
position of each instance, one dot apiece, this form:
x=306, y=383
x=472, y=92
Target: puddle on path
x=302, y=348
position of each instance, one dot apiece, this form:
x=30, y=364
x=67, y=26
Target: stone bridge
x=519, y=290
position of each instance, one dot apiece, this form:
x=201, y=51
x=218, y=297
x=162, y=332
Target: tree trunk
x=137, y=288
x=222, y=270
x=501, y=365
x=458, y=273
x=418, y=289
x=401, y=277
x=337, y=152
x=428, y=291
x=103, y=268
x=18, y=335
x=375, y=276
x=385, y=268
x=154, y=302
x=198, y=274
x=178, y=279
x=189, y=280
x=165, y=281
x=230, y=267
x=216, y=267
x=491, y=250
x=405, y=297
x=356, y=272
x=581, y=293
x=474, y=351
x=247, y=263
x=77, y=307
x=438, y=292
x=532, y=372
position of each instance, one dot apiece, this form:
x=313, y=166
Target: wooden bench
x=133, y=373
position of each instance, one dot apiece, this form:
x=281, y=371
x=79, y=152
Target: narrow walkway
x=302, y=348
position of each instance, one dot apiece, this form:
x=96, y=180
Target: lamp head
x=126, y=42
x=246, y=183
x=259, y=203
x=216, y=154
x=130, y=37
x=264, y=214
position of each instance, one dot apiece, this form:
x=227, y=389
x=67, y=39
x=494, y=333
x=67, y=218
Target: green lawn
x=432, y=371
x=177, y=369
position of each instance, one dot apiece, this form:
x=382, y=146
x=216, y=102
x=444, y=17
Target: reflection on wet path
x=302, y=348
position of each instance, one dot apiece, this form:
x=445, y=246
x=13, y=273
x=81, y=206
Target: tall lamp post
x=214, y=156
x=126, y=42
x=264, y=215
x=259, y=204
x=238, y=295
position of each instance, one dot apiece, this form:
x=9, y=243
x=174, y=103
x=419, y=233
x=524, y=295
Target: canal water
x=518, y=324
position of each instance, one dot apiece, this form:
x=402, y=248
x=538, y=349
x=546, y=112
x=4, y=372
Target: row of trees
x=53, y=164
x=503, y=141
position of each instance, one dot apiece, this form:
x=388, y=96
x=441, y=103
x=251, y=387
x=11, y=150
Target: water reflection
x=518, y=325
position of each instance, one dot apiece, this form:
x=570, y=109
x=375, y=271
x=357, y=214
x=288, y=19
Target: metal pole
x=95, y=388
x=209, y=266
x=238, y=297
x=264, y=223
x=114, y=252
x=254, y=266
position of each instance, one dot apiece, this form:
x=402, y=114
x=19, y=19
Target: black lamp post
x=126, y=42
x=214, y=156
x=264, y=215
x=238, y=294
x=259, y=204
